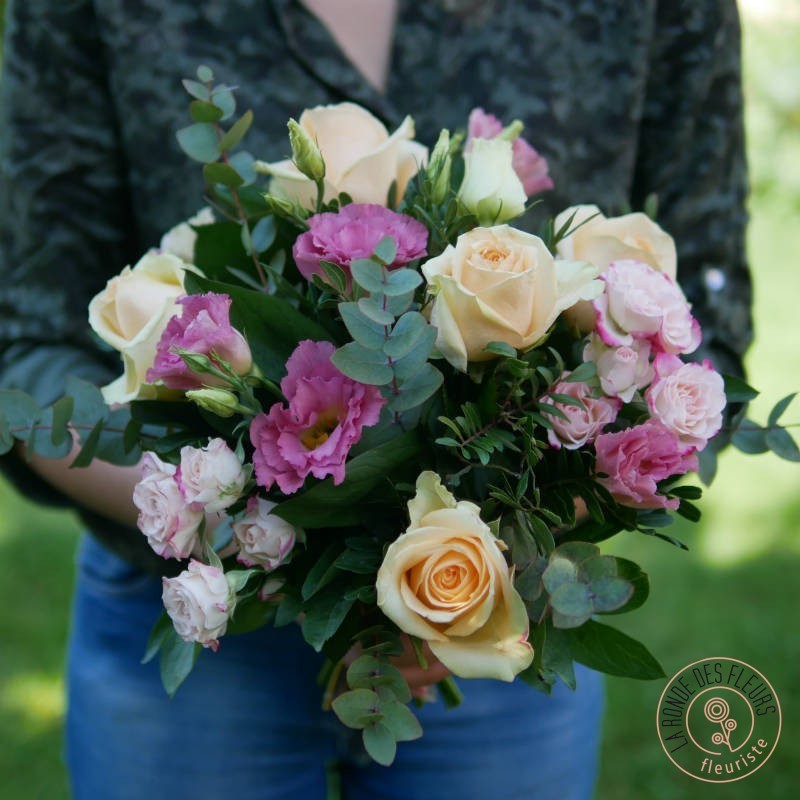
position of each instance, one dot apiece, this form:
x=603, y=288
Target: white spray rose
x=212, y=476
x=264, y=539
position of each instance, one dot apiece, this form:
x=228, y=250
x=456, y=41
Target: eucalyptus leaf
x=779, y=408
x=375, y=311
x=365, y=331
x=176, y=661
x=204, y=111
x=237, y=131
x=205, y=74
x=352, y=707
x=415, y=391
x=405, y=334
x=750, y=438
x=200, y=142
x=368, y=274
x=400, y=720
x=609, y=593
x=380, y=743
x=222, y=173
x=62, y=412
x=223, y=97
x=782, y=444
x=407, y=366
x=243, y=163
x=737, y=391
x=196, y=89
x=572, y=600
x=386, y=250
x=557, y=654
x=362, y=364
x=560, y=572
x=400, y=282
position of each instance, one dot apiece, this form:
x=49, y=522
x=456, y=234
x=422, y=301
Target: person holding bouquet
x=623, y=100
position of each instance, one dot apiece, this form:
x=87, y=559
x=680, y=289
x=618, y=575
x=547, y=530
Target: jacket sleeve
x=63, y=198
x=691, y=155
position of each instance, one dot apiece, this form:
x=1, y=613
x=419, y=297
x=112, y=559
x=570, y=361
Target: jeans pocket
x=104, y=572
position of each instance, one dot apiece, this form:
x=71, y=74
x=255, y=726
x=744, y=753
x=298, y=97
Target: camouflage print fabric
x=623, y=97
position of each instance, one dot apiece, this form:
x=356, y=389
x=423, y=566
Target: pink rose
x=264, y=539
x=199, y=603
x=583, y=424
x=641, y=303
x=687, y=398
x=166, y=518
x=204, y=328
x=622, y=370
x=530, y=167
x=326, y=414
x=353, y=233
x=636, y=459
x=211, y=476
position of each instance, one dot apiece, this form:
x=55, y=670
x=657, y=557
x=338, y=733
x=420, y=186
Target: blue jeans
x=247, y=722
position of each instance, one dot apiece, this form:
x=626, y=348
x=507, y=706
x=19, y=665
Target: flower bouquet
x=365, y=404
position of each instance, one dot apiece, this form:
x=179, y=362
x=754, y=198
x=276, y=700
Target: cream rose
x=491, y=189
x=601, y=240
x=180, y=240
x=131, y=313
x=500, y=285
x=446, y=581
x=361, y=158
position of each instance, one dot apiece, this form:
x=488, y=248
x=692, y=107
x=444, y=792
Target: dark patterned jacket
x=623, y=97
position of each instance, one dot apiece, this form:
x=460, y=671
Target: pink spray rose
x=687, y=398
x=264, y=539
x=583, y=424
x=636, y=459
x=641, y=303
x=199, y=603
x=530, y=167
x=326, y=414
x=203, y=327
x=622, y=370
x=166, y=518
x=211, y=476
x=353, y=233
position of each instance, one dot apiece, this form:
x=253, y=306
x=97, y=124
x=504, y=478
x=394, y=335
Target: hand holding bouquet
x=366, y=404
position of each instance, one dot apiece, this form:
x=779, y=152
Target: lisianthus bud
x=217, y=401
x=305, y=153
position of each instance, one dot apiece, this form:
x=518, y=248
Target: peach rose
x=361, y=158
x=132, y=312
x=446, y=581
x=602, y=240
x=500, y=285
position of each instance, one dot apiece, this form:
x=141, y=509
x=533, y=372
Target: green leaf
x=323, y=571
x=737, y=391
x=689, y=511
x=779, y=408
x=559, y=572
x=367, y=672
x=375, y=311
x=325, y=612
x=218, y=247
x=205, y=74
x=176, y=661
x=62, y=412
x=250, y=615
x=501, y=349
x=597, y=567
x=407, y=366
x=380, y=743
x=750, y=438
x=326, y=505
x=353, y=706
x=158, y=634
x=87, y=453
x=557, y=654
x=363, y=330
x=637, y=578
x=237, y=131
x=583, y=372
x=362, y=364
x=707, y=463
x=336, y=276
x=782, y=444
x=203, y=111
x=400, y=720
x=405, y=334
x=223, y=97
x=40, y=438
x=415, y=391
x=609, y=593
x=19, y=411
x=608, y=650
x=195, y=89
x=577, y=551
x=200, y=142
x=368, y=274
x=400, y=282
x=222, y=173
x=263, y=234
x=386, y=250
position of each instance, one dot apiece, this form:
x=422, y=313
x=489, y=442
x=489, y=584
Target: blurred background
x=733, y=594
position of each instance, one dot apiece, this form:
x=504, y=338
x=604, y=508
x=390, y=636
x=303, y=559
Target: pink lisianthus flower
x=687, y=398
x=354, y=232
x=639, y=302
x=204, y=328
x=326, y=414
x=636, y=459
x=530, y=167
x=583, y=424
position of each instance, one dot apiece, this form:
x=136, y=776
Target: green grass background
x=734, y=594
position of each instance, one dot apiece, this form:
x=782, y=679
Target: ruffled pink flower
x=204, y=328
x=636, y=459
x=641, y=303
x=353, y=233
x=687, y=398
x=531, y=168
x=326, y=414
x=583, y=424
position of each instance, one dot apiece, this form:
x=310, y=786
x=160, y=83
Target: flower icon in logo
x=717, y=710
